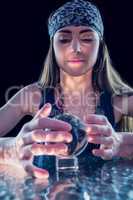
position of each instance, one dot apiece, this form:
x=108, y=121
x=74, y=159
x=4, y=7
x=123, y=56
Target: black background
x=24, y=40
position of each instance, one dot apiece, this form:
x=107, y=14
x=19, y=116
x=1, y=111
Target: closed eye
x=64, y=41
x=87, y=40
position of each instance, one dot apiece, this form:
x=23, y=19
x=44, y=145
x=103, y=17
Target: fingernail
x=39, y=173
x=88, y=129
x=90, y=139
x=69, y=139
x=94, y=151
x=65, y=150
x=47, y=105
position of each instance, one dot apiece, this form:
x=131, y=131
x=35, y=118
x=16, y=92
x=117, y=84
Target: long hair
x=50, y=74
x=104, y=76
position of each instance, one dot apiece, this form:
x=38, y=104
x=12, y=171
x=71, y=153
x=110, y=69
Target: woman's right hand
x=41, y=129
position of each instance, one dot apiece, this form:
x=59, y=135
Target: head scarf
x=77, y=13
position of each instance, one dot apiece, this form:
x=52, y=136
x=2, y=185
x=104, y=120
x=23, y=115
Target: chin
x=77, y=72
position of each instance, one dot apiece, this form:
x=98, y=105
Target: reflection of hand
x=60, y=190
x=19, y=184
x=100, y=131
x=29, y=141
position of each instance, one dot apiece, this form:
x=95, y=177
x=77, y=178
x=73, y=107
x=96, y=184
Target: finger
x=127, y=138
x=105, y=154
x=26, y=153
x=52, y=124
x=44, y=111
x=31, y=137
x=54, y=136
x=94, y=129
x=96, y=119
x=101, y=140
x=49, y=149
x=126, y=151
x=46, y=136
x=40, y=184
x=35, y=171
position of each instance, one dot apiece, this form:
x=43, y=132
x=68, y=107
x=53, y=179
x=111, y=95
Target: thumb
x=44, y=111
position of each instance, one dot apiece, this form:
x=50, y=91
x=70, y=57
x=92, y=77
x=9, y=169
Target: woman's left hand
x=100, y=131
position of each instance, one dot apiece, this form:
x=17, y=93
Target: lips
x=76, y=60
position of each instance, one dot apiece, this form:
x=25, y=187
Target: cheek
x=59, y=55
x=92, y=53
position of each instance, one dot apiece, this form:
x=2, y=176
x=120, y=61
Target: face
x=76, y=49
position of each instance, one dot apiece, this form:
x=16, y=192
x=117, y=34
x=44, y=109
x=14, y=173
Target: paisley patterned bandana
x=77, y=13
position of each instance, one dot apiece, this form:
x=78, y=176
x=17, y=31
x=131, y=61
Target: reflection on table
x=111, y=180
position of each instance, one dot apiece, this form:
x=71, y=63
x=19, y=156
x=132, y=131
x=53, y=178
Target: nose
x=75, y=45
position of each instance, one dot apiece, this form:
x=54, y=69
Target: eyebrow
x=68, y=31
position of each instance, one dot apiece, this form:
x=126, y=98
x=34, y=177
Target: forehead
x=76, y=29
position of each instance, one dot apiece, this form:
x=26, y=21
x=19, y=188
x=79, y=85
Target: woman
x=77, y=78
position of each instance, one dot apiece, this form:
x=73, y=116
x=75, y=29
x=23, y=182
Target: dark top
x=104, y=107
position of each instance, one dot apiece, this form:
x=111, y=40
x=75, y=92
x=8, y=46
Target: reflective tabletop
x=107, y=181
